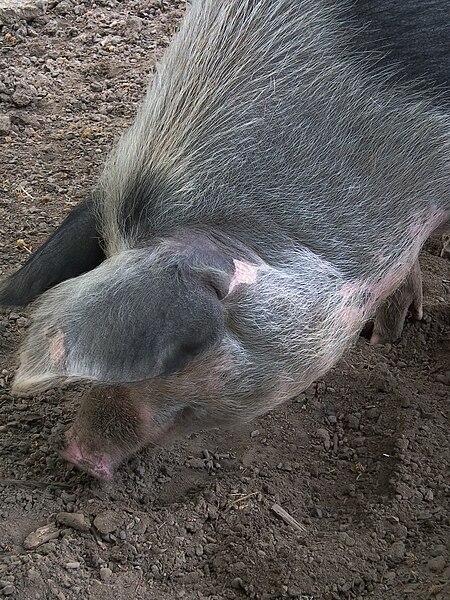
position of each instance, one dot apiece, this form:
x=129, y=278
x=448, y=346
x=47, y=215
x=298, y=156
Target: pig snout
x=109, y=428
x=100, y=465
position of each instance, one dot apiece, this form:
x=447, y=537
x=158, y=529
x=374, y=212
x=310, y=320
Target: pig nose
x=98, y=465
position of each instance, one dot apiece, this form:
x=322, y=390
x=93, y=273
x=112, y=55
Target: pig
x=413, y=39
x=273, y=193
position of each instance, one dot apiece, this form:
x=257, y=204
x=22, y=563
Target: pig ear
x=71, y=250
x=120, y=323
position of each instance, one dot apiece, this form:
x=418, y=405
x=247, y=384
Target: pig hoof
x=98, y=466
x=445, y=252
x=377, y=340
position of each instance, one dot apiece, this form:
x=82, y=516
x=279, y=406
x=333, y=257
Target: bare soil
x=360, y=460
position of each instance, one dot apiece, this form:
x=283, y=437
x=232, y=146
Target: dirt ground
x=359, y=461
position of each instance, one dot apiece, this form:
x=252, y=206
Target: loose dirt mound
x=359, y=460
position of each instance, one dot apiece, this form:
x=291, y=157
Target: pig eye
x=191, y=349
x=179, y=359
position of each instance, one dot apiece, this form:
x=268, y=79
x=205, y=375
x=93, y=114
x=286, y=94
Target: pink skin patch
x=427, y=223
x=244, y=274
x=100, y=467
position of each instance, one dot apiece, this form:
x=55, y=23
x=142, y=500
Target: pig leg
x=445, y=252
x=110, y=427
x=391, y=315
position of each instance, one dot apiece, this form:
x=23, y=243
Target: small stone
x=373, y=413
x=354, y=421
x=23, y=322
x=439, y=550
x=73, y=520
x=397, y=552
x=429, y=496
x=403, y=490
x=254, y=433
x=196, y=463
x=63, y=7
x=346, y=539
x=443, y=378
x=105, y=574
x=41, y=536
x=155, y=571
x=21, y=98
x=401, y=532
x=73, y=565
x=192, y=577
x=237, y=583
x=5, y=124
x=437, y=564
x=383, y=380
x=406, y=402
x=213, y=513
x=325, y=437
x=65, y=497
x=8, y=590
x=107, y=522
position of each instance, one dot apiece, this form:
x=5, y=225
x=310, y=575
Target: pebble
x=107, y=522
x=397, y=552
x=325, y=437
x=63, y=7
x=8, y=590
x=196, y=463
x=385, y=381
x=23, y=322
x=402, y=444
x=105, y=574
x=439, y=550
x=354, y=421
x=437, y=564
x=429, y=496
x=74, y=520
x=237, y=583
x=373, y=413
x=21, y=98
x=65, y=497
x=443, y=378
x=73, y=565
x=41, y=536
x=5, y=123
x=346, y=539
